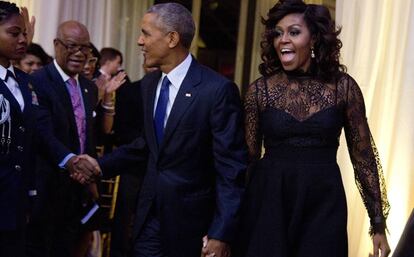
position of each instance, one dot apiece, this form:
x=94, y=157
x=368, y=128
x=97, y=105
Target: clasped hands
x=84, y=169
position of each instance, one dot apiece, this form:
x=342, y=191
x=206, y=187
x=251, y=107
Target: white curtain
x=378, y=39
x=111, y=23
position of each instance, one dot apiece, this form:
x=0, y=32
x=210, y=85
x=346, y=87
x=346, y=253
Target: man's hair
x=109, y=54
x=175, y=17
x=7, y=10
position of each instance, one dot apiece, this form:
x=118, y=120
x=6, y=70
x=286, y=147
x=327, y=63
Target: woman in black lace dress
x=295, y=203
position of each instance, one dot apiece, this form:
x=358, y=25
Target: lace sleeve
x=364, y=156
x=251, y=107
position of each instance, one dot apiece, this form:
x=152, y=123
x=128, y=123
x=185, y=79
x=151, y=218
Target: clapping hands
x=107, y=87
x=84, y=169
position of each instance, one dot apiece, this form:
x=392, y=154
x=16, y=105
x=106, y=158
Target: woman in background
x=34, y=59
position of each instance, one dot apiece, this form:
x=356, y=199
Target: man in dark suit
x=17, y=124
x=196, y=152
x=65, y=126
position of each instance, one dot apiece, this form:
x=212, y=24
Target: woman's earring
x=313, y=53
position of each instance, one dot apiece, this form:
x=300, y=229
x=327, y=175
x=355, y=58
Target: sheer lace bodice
x=314, y=114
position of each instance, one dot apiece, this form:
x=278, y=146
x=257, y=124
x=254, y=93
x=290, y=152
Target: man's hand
x=214, y=248
x=83, y=169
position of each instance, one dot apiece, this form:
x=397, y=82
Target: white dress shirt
x=176, y=77
x=12, y=85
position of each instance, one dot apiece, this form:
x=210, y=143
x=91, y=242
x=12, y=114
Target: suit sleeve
x=230, y=157
x=123, y=158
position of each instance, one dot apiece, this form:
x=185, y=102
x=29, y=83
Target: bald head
x=71, y=27
x=72, y=46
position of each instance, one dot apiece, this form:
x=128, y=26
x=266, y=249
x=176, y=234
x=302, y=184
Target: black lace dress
x=295, y=203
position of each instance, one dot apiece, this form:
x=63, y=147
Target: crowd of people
x=204, y=171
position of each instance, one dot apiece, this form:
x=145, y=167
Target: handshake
x=84, y=169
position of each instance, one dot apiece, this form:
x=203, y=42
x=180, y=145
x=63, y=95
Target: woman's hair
x=95, y=53
x=325, y=65
x=37, y=50
x=7, y=10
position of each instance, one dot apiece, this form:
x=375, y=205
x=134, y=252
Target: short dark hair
x=325, y=65
x=175, y=17
x=8, y=10
x=109, y=54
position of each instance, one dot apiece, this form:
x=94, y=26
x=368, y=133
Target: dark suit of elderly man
x=194, y=140
x=65, y=123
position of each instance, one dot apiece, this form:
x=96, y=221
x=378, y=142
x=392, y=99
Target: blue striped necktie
x=161, y=109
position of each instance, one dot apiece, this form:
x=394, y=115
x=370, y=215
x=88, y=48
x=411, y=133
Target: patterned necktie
x=78, y=111
x=161, y=109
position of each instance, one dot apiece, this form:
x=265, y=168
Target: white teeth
x=285, y=50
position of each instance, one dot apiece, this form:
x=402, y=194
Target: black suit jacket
x=194, y=179
x=58, y=132
x=16, y=165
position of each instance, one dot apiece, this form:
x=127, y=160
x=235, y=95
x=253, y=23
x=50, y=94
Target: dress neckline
x=298, y=74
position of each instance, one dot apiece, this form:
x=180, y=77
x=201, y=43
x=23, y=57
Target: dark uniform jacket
x=16, y=155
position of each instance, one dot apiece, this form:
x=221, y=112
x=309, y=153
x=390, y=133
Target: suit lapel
x=60, y=87
x=88, y=105
x=62, y=93
x=86, y=97
x=185, y=96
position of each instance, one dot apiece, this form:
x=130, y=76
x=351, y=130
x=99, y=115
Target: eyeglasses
x=92, y=60
x=73, y=48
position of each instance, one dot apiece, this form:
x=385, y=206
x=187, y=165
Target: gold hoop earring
x=313, y=53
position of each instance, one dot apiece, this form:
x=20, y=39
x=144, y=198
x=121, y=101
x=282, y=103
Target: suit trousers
x=149, y=243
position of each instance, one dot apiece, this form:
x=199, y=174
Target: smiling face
x=154, y=41
x=71, y=35
x=90, y=66
x=293, y=42
x=13, y=41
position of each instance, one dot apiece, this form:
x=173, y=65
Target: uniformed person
x=17, y=106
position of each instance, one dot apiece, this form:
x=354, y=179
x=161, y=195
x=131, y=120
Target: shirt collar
x=64, y=76
x=3, y=71
x=177, y=75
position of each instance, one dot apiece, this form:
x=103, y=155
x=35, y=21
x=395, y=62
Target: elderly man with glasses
x=65, y=126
